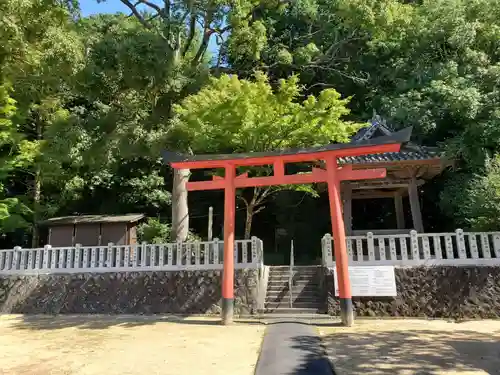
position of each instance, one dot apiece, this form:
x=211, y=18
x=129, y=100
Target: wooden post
x=228, y=270
x=339, y=238
x=210, y=222
x=400, y=217
x=416, y=214
x=347, y=195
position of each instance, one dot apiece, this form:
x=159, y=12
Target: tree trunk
x=37, y=189
x=180, y=211
x=37, y=192
x=248, y=221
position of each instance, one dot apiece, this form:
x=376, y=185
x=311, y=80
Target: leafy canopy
x=236, y=115
x=12, y=211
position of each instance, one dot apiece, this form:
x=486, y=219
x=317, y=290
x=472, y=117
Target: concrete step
x=312, y=293
x=296, y=286
x=305, y=317
x=313, y=300
x=290, y=311
x=295, y=271
x=295, y=289
x=306, y=290
x=296, y=277
x=301, y=305
x=296, y=267
x=295, y=280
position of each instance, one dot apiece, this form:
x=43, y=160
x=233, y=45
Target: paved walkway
x=292, y=349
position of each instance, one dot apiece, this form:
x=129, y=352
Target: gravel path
x=117, y=345
x=414, y=347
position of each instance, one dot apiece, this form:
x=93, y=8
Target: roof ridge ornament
x=377, y=122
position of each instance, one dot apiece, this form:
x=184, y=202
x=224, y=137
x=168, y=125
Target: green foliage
x=13, y=212
x=479, y=205
x=248, y=41
x=8, y=132
x=236, y=115
x=433, y=65
x=154, y=231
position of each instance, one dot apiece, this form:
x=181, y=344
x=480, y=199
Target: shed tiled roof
x=90, y=219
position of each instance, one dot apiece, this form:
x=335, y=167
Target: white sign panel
x=369, y=281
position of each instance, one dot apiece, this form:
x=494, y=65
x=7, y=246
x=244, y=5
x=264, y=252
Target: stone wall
x=185, y=292
x=435, y=292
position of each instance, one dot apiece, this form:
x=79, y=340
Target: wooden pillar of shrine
x=416, y=213
x=398, y=205
x=347, y=207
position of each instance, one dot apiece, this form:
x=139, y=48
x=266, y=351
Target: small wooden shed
x=92, y=230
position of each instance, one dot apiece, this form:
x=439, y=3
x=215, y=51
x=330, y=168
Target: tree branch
x=136, y=13
x=256, y=211
x=244, y=200
x=207, y=33
x=166, y=15
x=192, y=31
x=149, y=4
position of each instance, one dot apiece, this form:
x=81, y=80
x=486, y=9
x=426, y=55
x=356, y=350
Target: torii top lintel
x=390, y=143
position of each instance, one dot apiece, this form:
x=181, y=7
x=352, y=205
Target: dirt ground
x=126, y=345
x=408, y=347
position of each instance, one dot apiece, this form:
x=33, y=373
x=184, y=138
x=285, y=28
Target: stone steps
x=305, y=296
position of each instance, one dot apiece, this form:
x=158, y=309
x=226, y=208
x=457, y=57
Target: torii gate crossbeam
x=333, y=174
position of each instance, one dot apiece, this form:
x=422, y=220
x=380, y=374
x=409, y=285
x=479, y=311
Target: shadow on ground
x=414, y=352
x=313, y=360
x=49, y=322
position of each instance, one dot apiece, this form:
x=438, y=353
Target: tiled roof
x=380, y=127
x=89, y=219
x=416, y=153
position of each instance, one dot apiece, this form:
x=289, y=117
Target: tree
x=12, y=211
x=39, y=53
x=474, y=201
x=233, y=115
x=109, y=150
x=429, y=64
x=186, y=28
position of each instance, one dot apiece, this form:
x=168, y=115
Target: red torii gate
x=332, y=175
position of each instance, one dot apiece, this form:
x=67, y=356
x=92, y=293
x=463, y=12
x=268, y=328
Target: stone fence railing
x=179, y=256
x=458, y=248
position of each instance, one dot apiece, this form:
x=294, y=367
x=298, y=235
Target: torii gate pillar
x=228, y=270
x=338, y=232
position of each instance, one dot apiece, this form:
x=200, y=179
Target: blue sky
x=110, y=6
x=89, y=7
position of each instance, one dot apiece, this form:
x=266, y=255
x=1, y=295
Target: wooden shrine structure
x=407, y=170
x=332, y=173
